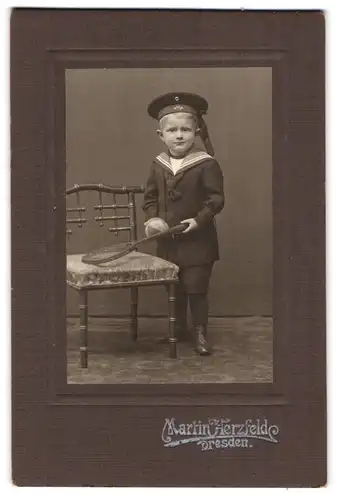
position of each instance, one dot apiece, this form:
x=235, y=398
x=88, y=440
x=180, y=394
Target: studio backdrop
x=110, y=139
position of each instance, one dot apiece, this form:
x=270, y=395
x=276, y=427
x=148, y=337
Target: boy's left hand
x=192, y=224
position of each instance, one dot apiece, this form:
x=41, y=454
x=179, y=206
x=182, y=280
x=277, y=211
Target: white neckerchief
x=176, y=164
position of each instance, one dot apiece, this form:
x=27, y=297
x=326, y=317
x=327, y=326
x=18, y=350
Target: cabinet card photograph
x=168, y=248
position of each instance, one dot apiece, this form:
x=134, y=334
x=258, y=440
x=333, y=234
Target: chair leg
x=172, y=320
x=134, y=313
x=83, y=307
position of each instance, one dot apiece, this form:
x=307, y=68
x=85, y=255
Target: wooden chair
x=132, y=271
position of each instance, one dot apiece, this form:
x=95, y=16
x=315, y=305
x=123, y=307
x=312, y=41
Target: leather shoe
x=201, y=345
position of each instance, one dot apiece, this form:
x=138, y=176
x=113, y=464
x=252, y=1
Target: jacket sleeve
x=214, y=193
x=150, y=202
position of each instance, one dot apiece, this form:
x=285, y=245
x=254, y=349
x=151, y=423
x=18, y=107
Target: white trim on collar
x=189, y=161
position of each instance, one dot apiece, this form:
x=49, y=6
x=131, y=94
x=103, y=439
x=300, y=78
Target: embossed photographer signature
x=218, y=433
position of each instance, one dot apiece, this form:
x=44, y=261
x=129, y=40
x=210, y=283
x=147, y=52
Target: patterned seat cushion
x=134, y=267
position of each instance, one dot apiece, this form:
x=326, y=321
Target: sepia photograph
x=169, y=225
x=168, y=248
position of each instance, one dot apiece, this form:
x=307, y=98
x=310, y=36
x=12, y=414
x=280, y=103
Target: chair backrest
x=115, y=207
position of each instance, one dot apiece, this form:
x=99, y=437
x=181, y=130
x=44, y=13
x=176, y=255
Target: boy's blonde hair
x=163, y=120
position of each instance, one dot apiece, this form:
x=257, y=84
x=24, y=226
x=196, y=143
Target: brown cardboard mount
x=261, y=434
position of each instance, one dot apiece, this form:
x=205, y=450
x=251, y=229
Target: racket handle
x=172, y=230
x=178, y=229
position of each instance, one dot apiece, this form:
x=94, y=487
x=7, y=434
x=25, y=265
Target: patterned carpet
x=242, y=352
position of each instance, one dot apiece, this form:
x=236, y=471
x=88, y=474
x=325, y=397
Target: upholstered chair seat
x=135, y=268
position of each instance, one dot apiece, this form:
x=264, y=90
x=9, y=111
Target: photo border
x=62, y=60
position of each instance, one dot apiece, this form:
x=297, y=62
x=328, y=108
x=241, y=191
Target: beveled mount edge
x=177, y=401
x=75, y=394
x=185, y=55
x=168, y=49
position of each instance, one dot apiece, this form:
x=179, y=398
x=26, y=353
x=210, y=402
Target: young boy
x=186, y=185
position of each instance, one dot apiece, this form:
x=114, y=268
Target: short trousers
x=195, y=279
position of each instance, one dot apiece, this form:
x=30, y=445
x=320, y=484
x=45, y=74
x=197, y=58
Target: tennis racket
x=108, y=254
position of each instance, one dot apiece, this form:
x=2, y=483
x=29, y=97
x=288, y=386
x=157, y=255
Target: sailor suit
x=193, y=190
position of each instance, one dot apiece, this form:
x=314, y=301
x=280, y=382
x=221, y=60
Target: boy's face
x=178, y=132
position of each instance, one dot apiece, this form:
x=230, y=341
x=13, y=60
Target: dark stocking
x=199, y=308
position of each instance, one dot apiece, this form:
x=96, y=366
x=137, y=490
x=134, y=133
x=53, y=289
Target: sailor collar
x=189, y=161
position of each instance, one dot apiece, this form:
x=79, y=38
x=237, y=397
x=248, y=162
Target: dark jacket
x=195, y=191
